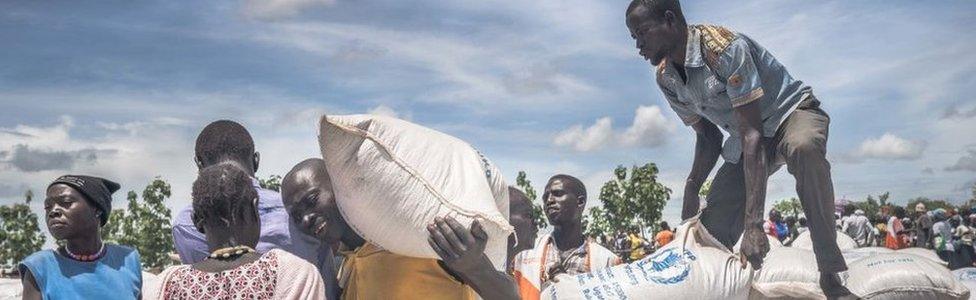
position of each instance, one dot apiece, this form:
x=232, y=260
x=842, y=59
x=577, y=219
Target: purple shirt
x=277, y=232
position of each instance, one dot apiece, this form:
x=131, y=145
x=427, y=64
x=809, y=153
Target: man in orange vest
x=566, y=250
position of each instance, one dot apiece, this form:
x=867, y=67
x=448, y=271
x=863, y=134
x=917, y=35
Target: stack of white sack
x=804, y=241
x=873, y=273
x=693, y=266
x=391, y=178
x=967, y=276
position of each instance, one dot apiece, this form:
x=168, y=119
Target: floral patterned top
x=276, y=275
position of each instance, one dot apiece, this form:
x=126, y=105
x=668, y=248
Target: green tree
x=144, y=225
x=596, y=223
x=633, y=199
x=789, y=207
x=20, y=234
x=273, y=183
x=706, y=187
x=883, y=198
x=523, y=183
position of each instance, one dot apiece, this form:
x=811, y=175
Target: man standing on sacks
x=714, y=78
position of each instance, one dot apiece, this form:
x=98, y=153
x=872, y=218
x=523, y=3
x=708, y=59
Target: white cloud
x=965, y=163
x=649, y=129
x=889, y=147
x=592, y=138
x=522, y=73
x=276, y=9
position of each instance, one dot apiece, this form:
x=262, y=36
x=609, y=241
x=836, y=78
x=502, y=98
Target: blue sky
x=120, y=89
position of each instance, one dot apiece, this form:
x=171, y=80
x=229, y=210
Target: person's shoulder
x=286, y=257
x=121, y=250
x=716, y=40
x=184, y=217
x=39, y=257
x=36, y=262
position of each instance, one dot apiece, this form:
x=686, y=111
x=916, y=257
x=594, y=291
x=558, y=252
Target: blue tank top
x=117, y=275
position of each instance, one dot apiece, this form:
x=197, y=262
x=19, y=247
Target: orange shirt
x=664, y=237
x=373, y=273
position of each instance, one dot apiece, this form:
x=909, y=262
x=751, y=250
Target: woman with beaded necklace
x=225, y=210
x=76, y=207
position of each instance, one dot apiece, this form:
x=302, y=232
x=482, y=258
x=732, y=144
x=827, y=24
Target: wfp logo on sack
x=669, y=266
x=968, y=275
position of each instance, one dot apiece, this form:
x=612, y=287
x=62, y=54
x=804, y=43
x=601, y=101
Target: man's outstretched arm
x=462, y=251
x=708, y=146
x=755, y=244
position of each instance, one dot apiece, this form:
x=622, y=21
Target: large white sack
x=693, y=266
x=923, y=252
x=788, y=272
x=903, y=276
x=392, y=178
x=967, y=276
x=843, y=241
x=873, y=273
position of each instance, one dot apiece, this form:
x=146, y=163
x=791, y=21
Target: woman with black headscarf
x=76, y=207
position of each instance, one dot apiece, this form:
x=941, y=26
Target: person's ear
x=256, y=160
x=256, y=217
x=197, y=221
x=582, y=201
x=198, y=162
x=670, y=19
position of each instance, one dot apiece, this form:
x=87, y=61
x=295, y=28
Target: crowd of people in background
x=237, y=238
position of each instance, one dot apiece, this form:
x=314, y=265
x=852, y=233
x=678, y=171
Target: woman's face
x=68, y=214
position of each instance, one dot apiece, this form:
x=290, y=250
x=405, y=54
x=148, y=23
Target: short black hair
x=221, y=192
x=517, y=201
x=664, y=225
x=223, y=140
x=656, y=8
x=572, y=183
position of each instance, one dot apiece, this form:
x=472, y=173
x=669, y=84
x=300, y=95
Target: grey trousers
x=801, y=144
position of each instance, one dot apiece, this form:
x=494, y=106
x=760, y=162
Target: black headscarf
x=97, y=190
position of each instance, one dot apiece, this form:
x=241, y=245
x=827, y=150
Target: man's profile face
x=562, y=204
x=520, y=217
x=652, y=37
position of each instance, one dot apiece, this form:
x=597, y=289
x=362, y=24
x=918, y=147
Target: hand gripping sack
x=391, y=178
x=693, y=266
x=967, y=276
x=844, y=242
